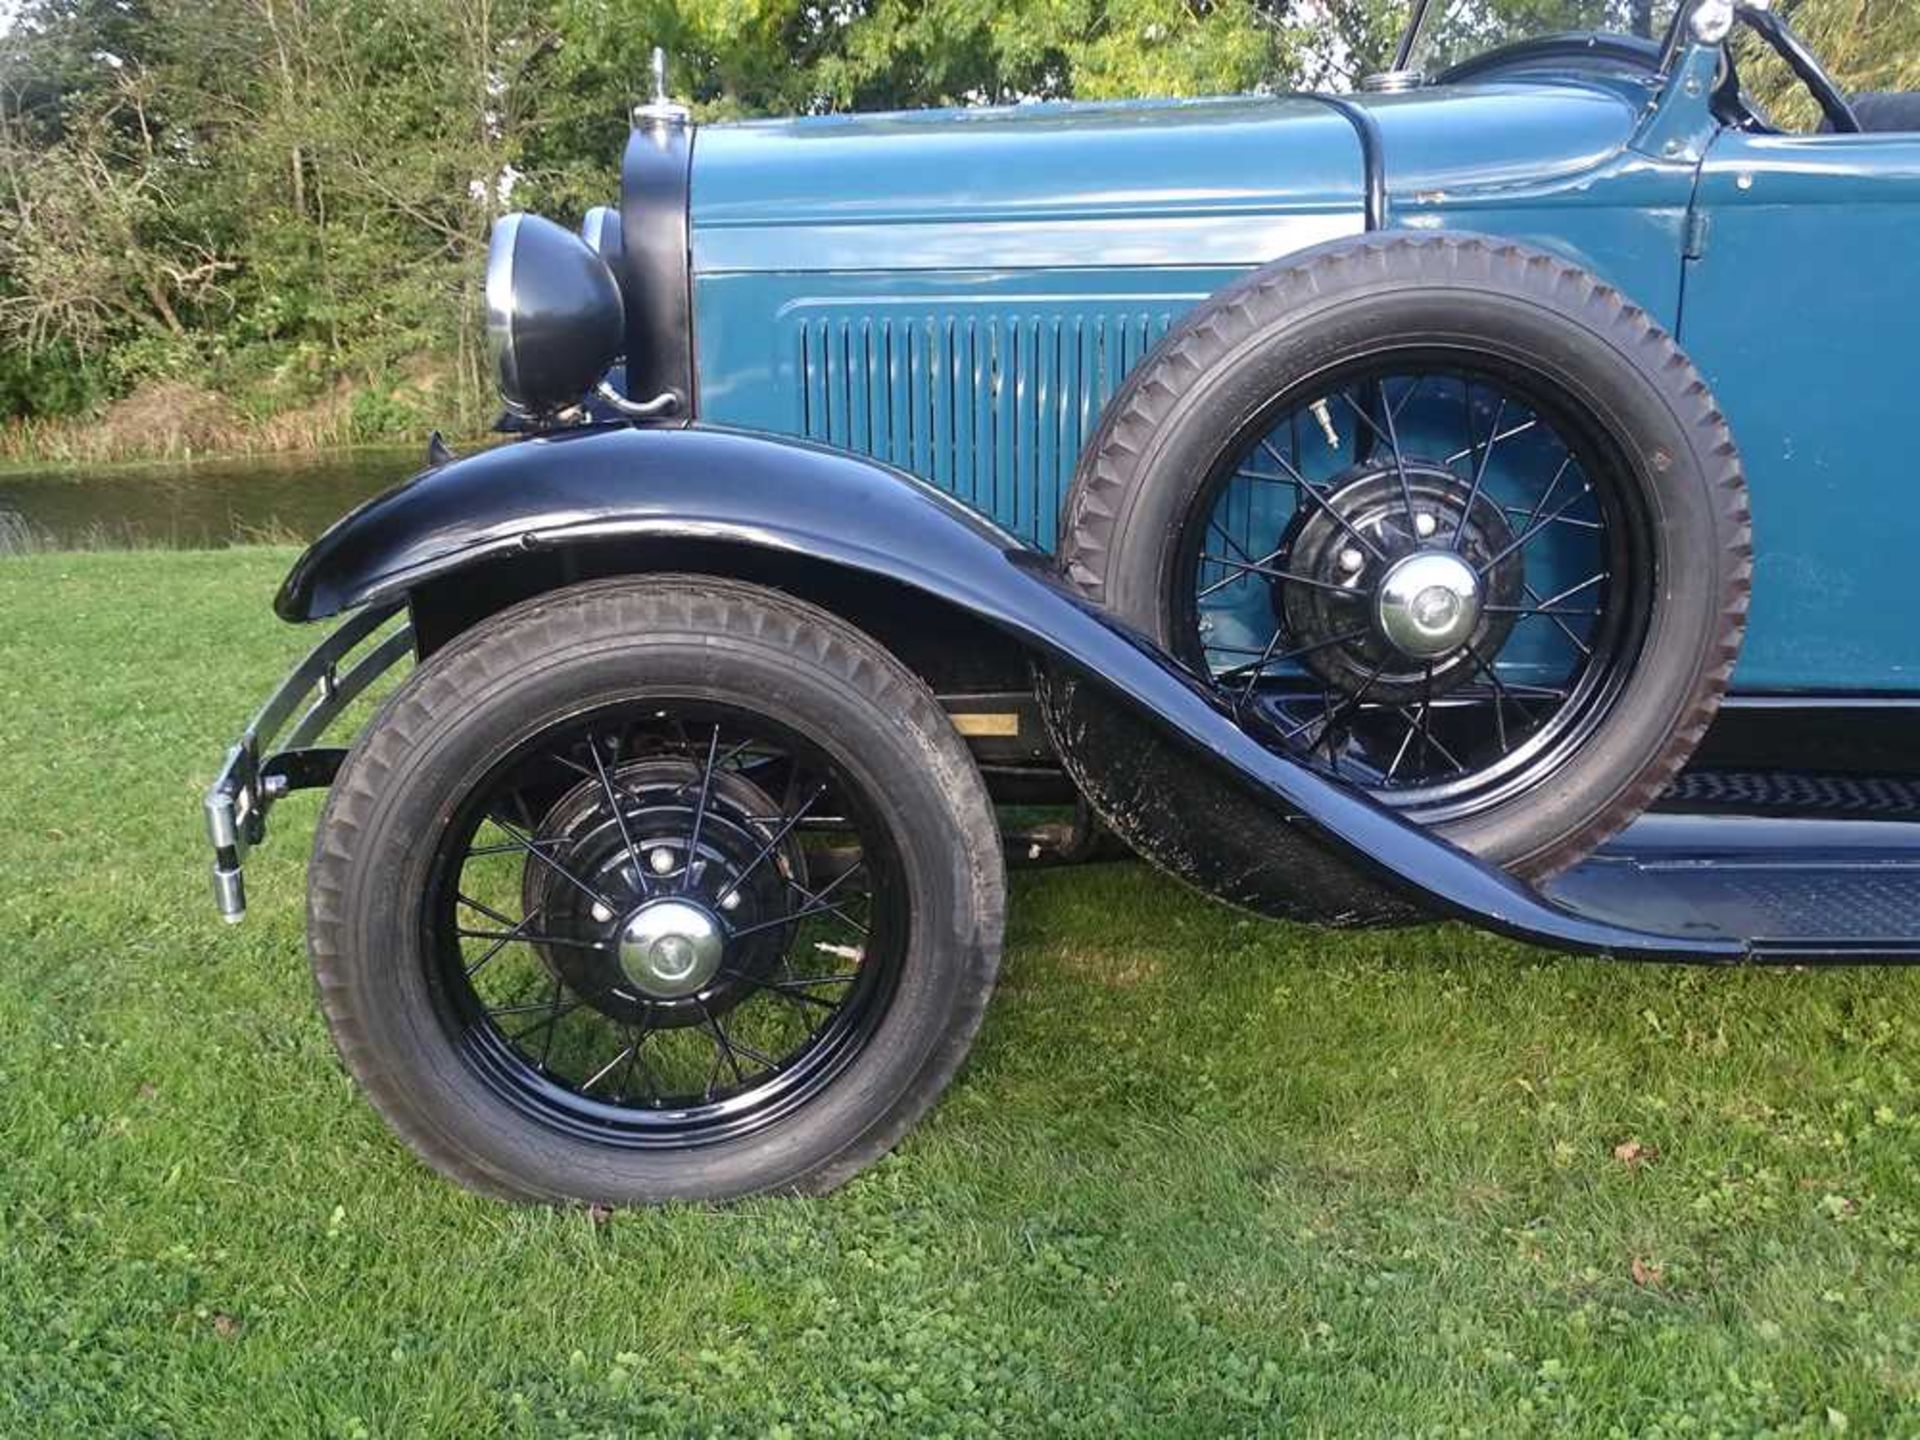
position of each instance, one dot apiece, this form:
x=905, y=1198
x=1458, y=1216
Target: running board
x=1798, y=890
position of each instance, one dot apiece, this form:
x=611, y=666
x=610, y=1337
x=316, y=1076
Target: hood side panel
x=986, y=384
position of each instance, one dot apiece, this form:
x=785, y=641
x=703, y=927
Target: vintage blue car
x=1481, y=496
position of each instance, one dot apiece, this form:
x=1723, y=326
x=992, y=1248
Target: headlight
x=554, y=316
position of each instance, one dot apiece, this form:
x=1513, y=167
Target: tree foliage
x=285, y=199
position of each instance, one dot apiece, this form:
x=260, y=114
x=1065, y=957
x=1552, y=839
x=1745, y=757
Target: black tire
x=576, y=652
x=1169, y=431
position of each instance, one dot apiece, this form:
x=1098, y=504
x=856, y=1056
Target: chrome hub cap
x=670, y=948
x=1428, y=604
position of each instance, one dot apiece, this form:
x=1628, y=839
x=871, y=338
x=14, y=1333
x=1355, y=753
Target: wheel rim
x=1422, y=572
x=664, y=923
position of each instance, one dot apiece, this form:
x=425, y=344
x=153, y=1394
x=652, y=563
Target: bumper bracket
x=255, y=775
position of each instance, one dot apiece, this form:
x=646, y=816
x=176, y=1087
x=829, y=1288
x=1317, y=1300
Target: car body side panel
x=959, y=292
x=1801, y=311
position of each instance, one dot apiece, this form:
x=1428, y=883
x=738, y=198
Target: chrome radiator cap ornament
x=661, y=109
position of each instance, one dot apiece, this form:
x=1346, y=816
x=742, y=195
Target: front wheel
x=656, y=890
x=1446, y=518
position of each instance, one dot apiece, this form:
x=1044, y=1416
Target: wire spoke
x=1333, y=713
x=634, y=1065
x=1308, y=490
x=1546, y=495
x=474, y=851
x=1479, y=476
x=700, y=813
x=488, y=912
x=1249, y=567
x=518, y=932
x=555, y=1012
x=606, y=1069
x=724, y=1045
x=845, y=978
x=1545, y=607
x=510, y=936
x=813, y=902
x=1406, y=742
x=619, y=815
x=1245, y=554
x=1520, y=429
x=786, y=828
x=1267, y=657
x=535, y=1007
x=547, y=860
x=1528, y=534
x=1501, y=692
x=740, y=1047
x=1392, y=438
x=1407, y=399
x=784, y=989
x=1526, y=611
x=1567, y=520
x=1572, y=590
x=1429, y=740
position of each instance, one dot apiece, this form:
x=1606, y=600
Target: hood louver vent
x=993, y=408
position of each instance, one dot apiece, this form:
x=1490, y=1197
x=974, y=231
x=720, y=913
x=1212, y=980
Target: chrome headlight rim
x=500, y=309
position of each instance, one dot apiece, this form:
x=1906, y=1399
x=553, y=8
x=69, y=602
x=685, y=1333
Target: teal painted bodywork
x=959, y=292
x=1801, y=311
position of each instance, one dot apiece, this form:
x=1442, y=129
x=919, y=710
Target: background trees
x=285, y=202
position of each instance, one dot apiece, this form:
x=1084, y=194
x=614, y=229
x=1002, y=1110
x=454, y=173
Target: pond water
x=193, y=505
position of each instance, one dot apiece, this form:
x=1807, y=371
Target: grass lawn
x=1205, y=1175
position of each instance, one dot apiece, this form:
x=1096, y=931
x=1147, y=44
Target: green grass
x=1204, y=1176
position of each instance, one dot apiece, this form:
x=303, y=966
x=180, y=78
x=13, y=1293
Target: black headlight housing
x=555, y=320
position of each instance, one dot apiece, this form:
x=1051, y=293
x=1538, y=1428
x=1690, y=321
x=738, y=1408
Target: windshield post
x=1404, y=55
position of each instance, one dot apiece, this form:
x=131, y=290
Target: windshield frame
x=1423, y=10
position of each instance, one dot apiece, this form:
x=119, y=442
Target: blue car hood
x=1028, y=185
x=1229, y=181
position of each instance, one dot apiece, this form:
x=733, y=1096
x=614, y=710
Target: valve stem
x=1325, y=417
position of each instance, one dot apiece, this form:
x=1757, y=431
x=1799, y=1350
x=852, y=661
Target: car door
x=1801, y=305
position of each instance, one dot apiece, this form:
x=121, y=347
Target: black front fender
x=1153, y=749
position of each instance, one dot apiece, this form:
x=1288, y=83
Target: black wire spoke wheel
x=1422, y=573
x=665, y=924
x=657, y=889
x=1445, y=517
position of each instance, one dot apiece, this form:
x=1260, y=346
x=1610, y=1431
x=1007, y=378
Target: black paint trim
x=1842, y=734
x=656, y=267
x=1373, y=155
